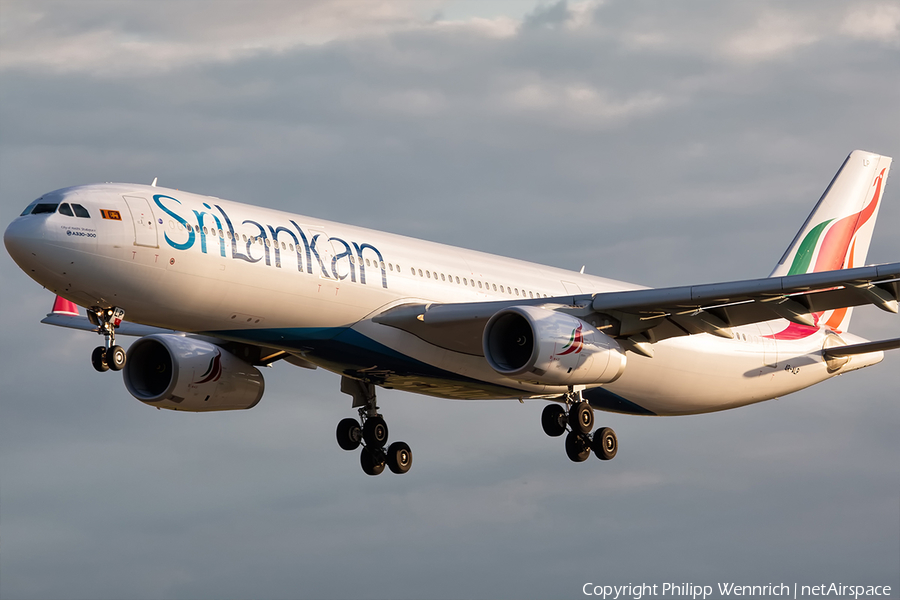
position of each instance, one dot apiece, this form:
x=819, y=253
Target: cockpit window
x=28, y=209
x=65, y=209
x=81, y=211
x=44, y=207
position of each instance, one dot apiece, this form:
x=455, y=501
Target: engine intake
x=549, y=347
x=182, y=373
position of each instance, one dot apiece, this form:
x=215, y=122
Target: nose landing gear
x=579, y=421
x=371, y=432
x=109, y=356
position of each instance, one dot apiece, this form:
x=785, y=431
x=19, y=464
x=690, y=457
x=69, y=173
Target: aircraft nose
x=22, y=238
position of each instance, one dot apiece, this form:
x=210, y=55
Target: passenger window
x=428, y=274
x=457, y=279
x=479, y=285
x=494, y=285
x=465, y=282
x=65, y=209
x=81, y=211
x=443, y=278
x=420, y=273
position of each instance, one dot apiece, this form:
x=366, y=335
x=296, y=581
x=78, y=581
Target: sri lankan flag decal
x=112, y=215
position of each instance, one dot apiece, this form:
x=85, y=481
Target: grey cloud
x=547, y=15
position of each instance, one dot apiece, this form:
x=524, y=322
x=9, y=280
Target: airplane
x=214, y=289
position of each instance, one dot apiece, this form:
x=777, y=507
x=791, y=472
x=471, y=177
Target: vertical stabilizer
x=837, y=233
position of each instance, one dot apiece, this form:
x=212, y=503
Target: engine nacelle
x=536, y=344
x=182, y=373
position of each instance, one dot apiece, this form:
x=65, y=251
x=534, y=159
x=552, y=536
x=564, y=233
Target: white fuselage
x=200, y=264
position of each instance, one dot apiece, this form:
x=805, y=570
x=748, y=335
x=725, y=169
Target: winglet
x=61, y=306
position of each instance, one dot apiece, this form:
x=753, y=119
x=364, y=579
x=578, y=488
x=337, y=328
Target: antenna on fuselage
x=581, y=271
x=154, y=182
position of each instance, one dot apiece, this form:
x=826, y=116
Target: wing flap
x=715, y=294
x=713, y=308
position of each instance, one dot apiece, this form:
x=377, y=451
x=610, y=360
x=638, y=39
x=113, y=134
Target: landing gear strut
x=579, y=421
x=109, y=355
x=371, y=432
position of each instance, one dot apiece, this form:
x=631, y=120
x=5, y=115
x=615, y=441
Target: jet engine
x=549, y=347
x=182, y=373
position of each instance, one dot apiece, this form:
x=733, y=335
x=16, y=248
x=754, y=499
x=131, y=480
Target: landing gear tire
x=372, y=461
x=553, y=420
x=399, y=457
x=115, y=358
x=349, y=434
x=98, y=359
x=605, y=445
x=375, y=432
x=578, y=447
x=581, y=417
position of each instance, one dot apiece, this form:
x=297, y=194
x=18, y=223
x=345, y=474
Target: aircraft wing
x=712, y=308
x=84, y=324
x=648, y=315
x=66, y=314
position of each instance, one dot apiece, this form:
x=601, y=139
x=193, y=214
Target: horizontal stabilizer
x=850, y=350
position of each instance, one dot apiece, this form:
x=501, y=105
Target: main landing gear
x=109, y=356
x=579, y=421
x=370, y=432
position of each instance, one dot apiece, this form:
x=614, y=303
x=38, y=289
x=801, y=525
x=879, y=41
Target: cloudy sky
x=656, y=142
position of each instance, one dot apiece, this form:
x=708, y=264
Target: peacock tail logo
x=575, y=343
x=836, y=244
x=214, y=370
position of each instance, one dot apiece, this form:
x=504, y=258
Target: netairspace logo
x=724, y=590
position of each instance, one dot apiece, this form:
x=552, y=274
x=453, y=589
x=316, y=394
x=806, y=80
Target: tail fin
x=837, y=233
